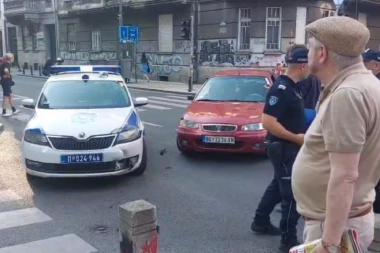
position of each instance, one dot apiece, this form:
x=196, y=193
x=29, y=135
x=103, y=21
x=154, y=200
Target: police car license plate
x=218, y=139
x=83, y=158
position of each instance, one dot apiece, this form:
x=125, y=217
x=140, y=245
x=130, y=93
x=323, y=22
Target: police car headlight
x=36, y=136
x=188, y=124
x=128, y=134
x=252, y=127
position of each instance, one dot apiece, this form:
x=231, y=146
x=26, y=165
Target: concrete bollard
x=138, y=227
x=1, y=128
x=31, y=70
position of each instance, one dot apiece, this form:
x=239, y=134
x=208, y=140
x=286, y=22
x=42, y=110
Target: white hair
x=8, y=56
x=339, y=60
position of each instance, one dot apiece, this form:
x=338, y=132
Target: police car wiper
x=243, y=101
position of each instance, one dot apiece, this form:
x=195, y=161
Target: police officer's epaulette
x=281, y=87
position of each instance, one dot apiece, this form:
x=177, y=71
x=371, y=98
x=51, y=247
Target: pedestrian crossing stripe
x=22, y=217
x=69, y=243
x=62, y=244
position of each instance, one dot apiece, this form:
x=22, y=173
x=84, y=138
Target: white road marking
x=21, y=117
x=141, y=110
x=171, y=100
x=157, y=107
x=180, y=97
x=166, y=103
x=8, y=195
x=18, y=96
x=22, y=217
x=151, y=124
x=63, y=244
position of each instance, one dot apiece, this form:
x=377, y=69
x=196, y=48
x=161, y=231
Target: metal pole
x=192, y=56
x=56, y=22
x=119, y=54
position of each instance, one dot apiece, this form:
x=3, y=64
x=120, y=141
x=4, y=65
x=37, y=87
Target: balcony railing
x=65, y=6
x=27, y=6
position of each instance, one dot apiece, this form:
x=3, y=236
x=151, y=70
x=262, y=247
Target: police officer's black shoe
x=267, y=229
x=287, y=243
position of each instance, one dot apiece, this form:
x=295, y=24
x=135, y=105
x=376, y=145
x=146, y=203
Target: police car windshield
x=234, y=89
x=78, y=94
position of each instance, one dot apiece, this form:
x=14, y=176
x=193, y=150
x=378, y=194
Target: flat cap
x=342, y=35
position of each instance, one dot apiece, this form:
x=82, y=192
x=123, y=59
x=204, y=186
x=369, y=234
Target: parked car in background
x=225, y=115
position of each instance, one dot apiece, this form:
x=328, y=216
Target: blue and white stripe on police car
x=27, y=217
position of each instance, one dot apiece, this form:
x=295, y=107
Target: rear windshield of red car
x=234, y=89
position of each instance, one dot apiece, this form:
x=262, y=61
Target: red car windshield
x=234, y=89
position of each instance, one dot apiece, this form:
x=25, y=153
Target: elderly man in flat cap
x=337, y=168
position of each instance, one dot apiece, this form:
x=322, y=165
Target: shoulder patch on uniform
x=281, y=87
x=273, y=100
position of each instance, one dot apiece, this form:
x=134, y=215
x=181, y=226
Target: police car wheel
x=144, y=162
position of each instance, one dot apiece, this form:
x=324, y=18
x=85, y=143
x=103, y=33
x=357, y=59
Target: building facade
x=227, y=33
x=30, y=31
x=366, y=12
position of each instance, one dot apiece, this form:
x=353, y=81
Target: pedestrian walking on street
x=284, y=120
x=145, y=68
x=337, y=168
x=6, y=84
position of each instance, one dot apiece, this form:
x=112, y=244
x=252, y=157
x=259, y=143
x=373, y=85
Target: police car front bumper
x=245, y=141
x=43, y=161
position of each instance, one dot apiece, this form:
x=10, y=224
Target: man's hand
x=300, y=139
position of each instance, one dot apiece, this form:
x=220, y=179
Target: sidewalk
x=169, y=87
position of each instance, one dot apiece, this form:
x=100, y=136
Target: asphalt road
x=205, y=204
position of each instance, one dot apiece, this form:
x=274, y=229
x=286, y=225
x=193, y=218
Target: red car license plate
x=218, y=139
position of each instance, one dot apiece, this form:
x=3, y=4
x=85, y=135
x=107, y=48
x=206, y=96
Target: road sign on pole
x=128, y=34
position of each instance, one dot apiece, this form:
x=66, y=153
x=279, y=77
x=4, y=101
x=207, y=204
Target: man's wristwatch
x=331, y=248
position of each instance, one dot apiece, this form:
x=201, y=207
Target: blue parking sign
x=128, y=34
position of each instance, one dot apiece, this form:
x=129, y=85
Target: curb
x=163, y=91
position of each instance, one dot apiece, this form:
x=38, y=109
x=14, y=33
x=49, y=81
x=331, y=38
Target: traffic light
x=186, y=25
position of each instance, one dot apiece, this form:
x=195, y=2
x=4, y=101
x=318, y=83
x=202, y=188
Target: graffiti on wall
x=217, y=53
x=258, y=60
x=165, y=64
x=82, y=56
x=182, y=46
x=86, y=56
x=103, y=56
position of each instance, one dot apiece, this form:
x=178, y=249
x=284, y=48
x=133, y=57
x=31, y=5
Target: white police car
x=85, y=124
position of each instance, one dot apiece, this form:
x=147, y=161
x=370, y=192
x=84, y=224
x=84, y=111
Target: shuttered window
x=96, y=40
x=71, y=41
x=165, y=33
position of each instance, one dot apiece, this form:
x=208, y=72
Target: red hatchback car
x=225, y=115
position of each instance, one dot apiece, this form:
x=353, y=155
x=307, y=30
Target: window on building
x=165, y=33
x=35, y=38
x=71, y=32
x=273, y=28
x=328, y=13
x=24, y=34
x=96, y=40
x=244, y=28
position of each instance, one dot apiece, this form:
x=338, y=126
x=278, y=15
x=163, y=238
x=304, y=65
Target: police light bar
x=86, y=68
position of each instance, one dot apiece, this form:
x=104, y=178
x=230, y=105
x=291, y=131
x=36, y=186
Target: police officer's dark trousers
x=282, y=157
